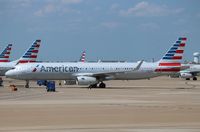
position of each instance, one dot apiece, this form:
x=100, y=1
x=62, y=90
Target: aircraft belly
x=135, y=75
x=49, y=76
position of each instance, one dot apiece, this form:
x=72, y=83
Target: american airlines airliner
x=94, y=74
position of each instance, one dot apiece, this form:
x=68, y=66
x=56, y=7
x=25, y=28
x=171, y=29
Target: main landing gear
x=27, y=84
x=194, y=78
x=100, y=85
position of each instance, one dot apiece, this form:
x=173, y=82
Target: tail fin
x=82, y=58
x=5, y=55
x=31, y=54
x=171, y=61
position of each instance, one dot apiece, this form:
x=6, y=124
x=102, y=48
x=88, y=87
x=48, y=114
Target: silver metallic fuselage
x=68, y=71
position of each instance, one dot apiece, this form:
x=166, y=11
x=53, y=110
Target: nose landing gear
x=27, y=84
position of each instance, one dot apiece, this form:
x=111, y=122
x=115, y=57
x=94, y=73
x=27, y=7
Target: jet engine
x=85, y=80
x=186, y=75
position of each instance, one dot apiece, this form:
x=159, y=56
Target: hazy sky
x=107, y=29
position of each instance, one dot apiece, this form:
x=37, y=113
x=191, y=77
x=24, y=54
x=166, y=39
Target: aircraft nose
x=10, y=74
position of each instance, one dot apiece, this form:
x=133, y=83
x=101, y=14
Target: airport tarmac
x=161, y=104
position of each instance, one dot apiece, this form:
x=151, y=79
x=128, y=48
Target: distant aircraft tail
x=5, y=55
x=31, y=54
x=82, y=59
x=171, y=61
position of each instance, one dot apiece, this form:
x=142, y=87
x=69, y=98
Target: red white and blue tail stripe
x=171, y=62
x=82, y=59
x=31, y=53
x=5, y=55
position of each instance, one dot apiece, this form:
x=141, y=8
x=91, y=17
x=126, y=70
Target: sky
x=128, y=30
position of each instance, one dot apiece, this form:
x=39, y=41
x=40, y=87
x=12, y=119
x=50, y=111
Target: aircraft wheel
x=194, y=78
x=102, y=85
x=187, y=79
x=26, y=86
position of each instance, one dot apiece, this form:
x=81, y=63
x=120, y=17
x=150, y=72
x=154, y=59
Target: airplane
x=5, y=55
x=192, y=72
x=94, y=74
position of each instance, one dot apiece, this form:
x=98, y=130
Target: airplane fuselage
x=65, y=71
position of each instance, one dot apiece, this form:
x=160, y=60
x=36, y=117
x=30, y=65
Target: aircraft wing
x=107, y=74
x=139, y=65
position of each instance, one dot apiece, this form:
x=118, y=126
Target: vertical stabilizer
x=82, y=58
x=31, y=54
x=5, y=55
x=171, y=61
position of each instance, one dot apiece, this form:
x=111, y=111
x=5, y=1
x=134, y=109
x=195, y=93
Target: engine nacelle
x=185, y=75
x=85, y=80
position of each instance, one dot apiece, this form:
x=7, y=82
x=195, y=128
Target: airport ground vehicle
x=42, y=82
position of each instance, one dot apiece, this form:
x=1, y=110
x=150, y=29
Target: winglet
x=139, y=65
